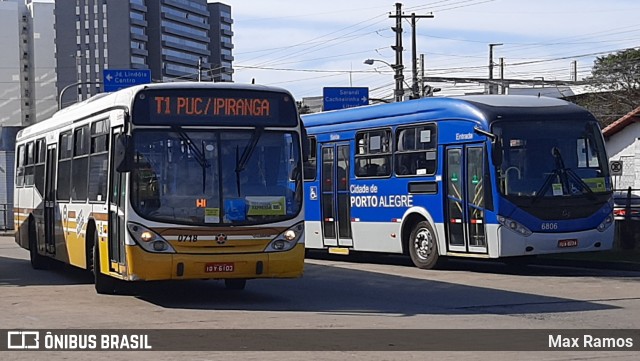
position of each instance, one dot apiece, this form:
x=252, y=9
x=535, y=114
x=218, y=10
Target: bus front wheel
x=423, y=247
x=104, y=284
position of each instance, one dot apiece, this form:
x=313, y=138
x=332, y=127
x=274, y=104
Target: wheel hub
x=423, y=244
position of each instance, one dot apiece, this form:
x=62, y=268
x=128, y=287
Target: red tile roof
x=618, y=125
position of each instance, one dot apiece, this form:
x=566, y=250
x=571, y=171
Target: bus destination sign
x=198, y=107
x=212, y=106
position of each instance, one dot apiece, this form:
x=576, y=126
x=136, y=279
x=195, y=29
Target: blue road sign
x=341, y=98
x=116, y=79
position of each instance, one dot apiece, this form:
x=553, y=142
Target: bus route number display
x=212, y=106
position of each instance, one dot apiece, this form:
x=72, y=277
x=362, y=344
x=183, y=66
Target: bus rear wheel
x=236, y=284
x=423, y=247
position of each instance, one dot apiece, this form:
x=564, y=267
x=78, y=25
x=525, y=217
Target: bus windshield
x=216, y=177
x=551, y=159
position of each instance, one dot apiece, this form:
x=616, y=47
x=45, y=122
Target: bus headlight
x=149, y=240
x=606, y=223
x=514, y=226
x=287, y=239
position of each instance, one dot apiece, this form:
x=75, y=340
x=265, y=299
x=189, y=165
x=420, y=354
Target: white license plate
x=219, y=267
x=564, y=243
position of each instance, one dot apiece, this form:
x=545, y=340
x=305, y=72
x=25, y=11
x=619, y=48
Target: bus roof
x=124, y=98
x=482, y=109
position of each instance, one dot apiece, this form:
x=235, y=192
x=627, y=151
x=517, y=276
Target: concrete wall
x=625, y=146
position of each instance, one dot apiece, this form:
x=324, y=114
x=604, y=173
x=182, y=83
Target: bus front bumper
x=142, y=265
x=512, y=244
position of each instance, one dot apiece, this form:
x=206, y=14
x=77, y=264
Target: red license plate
x=219, y=267
x=564, y=243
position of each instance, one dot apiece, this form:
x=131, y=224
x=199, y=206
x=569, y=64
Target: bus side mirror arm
x=123, y=153
x=496, y=153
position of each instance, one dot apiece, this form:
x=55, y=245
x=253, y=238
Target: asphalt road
x=380, y=294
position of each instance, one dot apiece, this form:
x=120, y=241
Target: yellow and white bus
x=165, y=182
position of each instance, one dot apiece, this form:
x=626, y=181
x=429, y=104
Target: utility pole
x=422, y=87
x=398, y=67
x=491, y=85
x=574, y=71
x=502, y=90
x=415, y=89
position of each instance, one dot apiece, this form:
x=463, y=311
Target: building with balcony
x=175, y=39
x=27, y=74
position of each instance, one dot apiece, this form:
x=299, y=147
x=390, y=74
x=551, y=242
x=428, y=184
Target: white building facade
x=622, y=139
x=27, y=74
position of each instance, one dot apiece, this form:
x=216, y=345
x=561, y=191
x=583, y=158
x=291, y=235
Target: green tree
x=614, y=85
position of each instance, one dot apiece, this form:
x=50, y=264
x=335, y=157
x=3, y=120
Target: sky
x=304, y=46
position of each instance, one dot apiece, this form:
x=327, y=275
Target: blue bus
x=472, y=176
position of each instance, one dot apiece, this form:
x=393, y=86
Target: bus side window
x=98, y=161
x=373, y=153
x=310, y=166
x=20, y=167
x=416, y=150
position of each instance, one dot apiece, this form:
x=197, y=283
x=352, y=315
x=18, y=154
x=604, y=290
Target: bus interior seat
x=382, y=170
x=370, y=170
x=405, y=142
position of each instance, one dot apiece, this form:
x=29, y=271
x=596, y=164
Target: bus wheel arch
x=90, y=240
x=104, y=284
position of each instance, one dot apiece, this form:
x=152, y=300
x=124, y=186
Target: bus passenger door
x=334, y=201
x=464, y=203
x=117, y=199
x=50, y=200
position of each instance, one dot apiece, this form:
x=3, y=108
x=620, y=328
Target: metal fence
x=6, y=219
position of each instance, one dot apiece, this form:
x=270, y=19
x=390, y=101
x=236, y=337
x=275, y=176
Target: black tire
x=423, y=246
x=38, y=261
x=105, y=285
x=235, y=284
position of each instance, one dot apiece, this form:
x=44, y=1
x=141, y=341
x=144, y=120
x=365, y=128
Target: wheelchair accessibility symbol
x=313, y=193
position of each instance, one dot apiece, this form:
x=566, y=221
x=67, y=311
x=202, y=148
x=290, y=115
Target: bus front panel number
x=188, y=238
x=549, y=226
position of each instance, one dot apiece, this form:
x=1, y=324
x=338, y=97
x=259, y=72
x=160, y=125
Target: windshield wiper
x=248, y=150
x=241, y=163
x=197, y=154
x=564, y=174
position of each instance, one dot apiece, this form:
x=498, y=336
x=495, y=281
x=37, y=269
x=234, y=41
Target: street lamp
x=71, y=86
x=399, y=77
